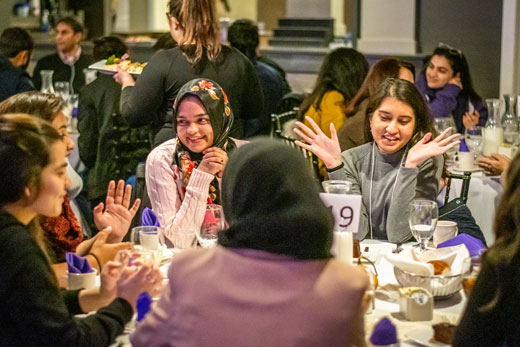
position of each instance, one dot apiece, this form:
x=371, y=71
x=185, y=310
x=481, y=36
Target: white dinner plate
x=424, y=337
x=100, y=66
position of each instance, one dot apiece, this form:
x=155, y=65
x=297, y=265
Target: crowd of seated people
x=191, y=113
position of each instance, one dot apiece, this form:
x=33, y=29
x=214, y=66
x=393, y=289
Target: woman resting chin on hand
x=400, y=163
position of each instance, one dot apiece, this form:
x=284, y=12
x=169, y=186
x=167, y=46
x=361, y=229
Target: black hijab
x=271, y=202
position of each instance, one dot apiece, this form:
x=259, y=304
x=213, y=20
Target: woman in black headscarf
x=271, y=281
x=183, y=174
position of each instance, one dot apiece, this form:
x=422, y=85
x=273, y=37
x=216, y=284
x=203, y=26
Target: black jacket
x=12, y=79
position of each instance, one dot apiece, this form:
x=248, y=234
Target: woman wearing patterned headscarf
x=183, y=174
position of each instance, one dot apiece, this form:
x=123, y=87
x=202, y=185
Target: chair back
x=312, y=159
x=465, y=177
x=278, y=120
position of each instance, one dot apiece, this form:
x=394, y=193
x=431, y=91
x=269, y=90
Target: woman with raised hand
x=446, y=85
x=183, y=174
x=402, y=161
x=271, y=281
x=34, y=311
x=200, y=54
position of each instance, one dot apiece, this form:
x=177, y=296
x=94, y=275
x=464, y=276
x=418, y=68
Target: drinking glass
x=473, y=137
x=471, y=269
x=184, y=239
x=423, y=220
x=62, y=89
x=443, y=123
x=213, y=222
x=147, y=237
x=336, y=186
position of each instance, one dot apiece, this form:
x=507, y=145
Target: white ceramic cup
x=444, y=231
x=466, y=160
x=82, y=280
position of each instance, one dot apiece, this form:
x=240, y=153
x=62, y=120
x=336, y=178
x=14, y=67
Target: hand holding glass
x=423, y=220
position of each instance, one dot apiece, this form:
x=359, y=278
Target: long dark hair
x=504, y=255
x=383, y=69
x=197, y=19
x=406, y=92
x=343, y=70
x=459, y=65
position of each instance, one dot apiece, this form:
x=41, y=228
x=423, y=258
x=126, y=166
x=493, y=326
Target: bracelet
x=336, y=168
x=97, y=260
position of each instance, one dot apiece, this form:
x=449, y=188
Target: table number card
x=346, y=210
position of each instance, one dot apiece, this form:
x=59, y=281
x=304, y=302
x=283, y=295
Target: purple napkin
x=384, y=333
x=463, y=147
x=77, y=264
x=143, y=305
x=149, y=218
x=474, y=245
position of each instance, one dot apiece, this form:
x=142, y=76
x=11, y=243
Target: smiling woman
x=400, y=163
x=183, y=174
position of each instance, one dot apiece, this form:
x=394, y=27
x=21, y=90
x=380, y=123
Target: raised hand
x=116, y=213
x=327, y=149
x=425, y=148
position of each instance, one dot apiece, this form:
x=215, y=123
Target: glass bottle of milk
x=493, y=132
x=509, y=122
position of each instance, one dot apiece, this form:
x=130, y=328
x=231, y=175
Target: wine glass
x=473, y=137
x=213, y=222
x=336, y=186
x=62, y=89
x=423, y=220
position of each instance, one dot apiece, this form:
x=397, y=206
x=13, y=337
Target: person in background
x=401, y=162
x=165, y=41
x=183, y=174
x=34, y=311
x=352, y=133
x=271, y=275
x=16, y=47
x=492, y=315
x=243, y=35
x=69, y=62
x=108, y=147
x=446, y=85
x=340, y=77
x=200, y=54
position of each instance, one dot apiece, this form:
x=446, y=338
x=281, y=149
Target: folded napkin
x=143, y=305
x=463, y=147
x=384, y=333
x=149, y=218
x=408, y=260
x=474, y=245
x=77, y=264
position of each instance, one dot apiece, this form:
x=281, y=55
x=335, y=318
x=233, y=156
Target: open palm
x=425, y=148
x=327, y=149
x=116, y=213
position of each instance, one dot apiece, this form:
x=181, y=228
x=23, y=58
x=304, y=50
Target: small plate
x=458, y=169
x=424, y=337
x=100, y=66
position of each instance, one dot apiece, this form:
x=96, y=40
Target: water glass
x=62, y=89
x=423, y=220
x=336, y=186
x=213, y=222
x=147, y=237
x=474, y=140
x=184, y=239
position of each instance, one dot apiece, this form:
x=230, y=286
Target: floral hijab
x=215, y=101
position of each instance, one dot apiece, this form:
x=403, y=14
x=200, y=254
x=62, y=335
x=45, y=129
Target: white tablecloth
x=483, y=199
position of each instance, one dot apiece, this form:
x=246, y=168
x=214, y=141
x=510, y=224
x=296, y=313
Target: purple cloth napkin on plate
x=384, y=333
x=149, y=218
x=463, y=147
x=144, y=301
x=474, y=245
x=77, y=264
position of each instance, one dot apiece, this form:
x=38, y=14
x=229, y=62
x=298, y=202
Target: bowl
x=441, y=286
